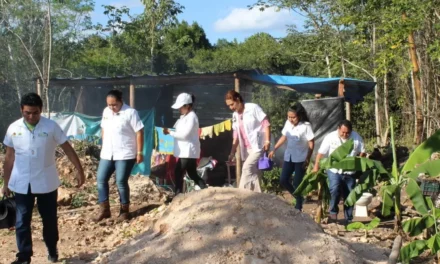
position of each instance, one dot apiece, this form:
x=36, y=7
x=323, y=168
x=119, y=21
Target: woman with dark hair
x=299, y=135
x=252, y=132
x=122, y=145
x=186, y=141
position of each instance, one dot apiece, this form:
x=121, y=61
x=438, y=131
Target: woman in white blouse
x=252, y=133
x=186, y=141
x=122, y=144
x=300, y=143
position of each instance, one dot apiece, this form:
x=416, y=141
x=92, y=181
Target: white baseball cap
x=181, y=100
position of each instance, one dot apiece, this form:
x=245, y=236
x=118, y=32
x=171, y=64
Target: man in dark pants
x=340, y=182
x=30, y=172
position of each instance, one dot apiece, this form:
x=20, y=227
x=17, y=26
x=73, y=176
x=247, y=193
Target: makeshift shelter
x=157, y=93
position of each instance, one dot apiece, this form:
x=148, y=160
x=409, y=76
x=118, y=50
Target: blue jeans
x=47, y=207
x=105, y=170
x=288, y=168
x=340, y=183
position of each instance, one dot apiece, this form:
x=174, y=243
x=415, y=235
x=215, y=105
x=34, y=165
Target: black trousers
x=47, y=207
x=190, y=166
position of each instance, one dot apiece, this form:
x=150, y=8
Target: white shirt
x=332, y=141
x=298, y=138
x=119, y=142
x=186, y=137
x=253, y=117
x=34, y=156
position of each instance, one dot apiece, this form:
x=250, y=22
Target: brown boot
x=104, y=213
x=124, y=213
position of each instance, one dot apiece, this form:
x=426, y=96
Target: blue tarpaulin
x=355, y=90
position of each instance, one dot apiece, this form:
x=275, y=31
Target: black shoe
x=52, y=258
x=22, y=261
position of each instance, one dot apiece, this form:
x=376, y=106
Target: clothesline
x=164, y=144
x=215, y=129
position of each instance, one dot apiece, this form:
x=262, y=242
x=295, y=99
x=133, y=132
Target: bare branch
x=359, y=67
x=27, y=51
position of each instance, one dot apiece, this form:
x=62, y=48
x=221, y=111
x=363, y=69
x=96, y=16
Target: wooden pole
x=132, y=94
x=395, y=251
x=341, y=90
x=238, y=152
x=38, y=86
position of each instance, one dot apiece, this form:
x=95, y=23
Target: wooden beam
x=341, y=88
x=341, y=93
x=132, y=95
x=38, y=86
x=238, y=152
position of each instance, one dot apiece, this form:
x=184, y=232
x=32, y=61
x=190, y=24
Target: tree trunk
x=49, y=57
x=376, y=91
x=17, y=86
x=418, y=133
x=376, y=111
x=385, y=107
x=327, y=62
x=398, y=216
x=320, y=207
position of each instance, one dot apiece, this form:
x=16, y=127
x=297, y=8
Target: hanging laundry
x=218, y=128
x=228, y=125
x=207, y=132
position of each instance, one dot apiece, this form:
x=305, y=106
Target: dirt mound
x=225, y=225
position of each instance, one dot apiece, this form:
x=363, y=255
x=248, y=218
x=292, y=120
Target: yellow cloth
x=206, y=132
x=228, y=125
x=219, y=128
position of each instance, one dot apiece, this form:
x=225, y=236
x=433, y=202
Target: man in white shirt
x=339, y=180
x=30, y=172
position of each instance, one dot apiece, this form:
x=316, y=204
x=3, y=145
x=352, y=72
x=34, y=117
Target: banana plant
x=366, y=227
x=371, y=170
x=401, y=179
x=414, y=227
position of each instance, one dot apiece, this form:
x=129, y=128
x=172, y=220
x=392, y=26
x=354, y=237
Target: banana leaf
x=415, y=226
x=366, y=182
x=355, y=226
x=431, y=168
x=325, y=189
x=387, y=193
x=412, y=250
x=324, y=163
x=434, y=243
x=415, y=194
x=359, y=164
x=308, y=184
x=373, y=224
x=423, y=152
x=341, y=152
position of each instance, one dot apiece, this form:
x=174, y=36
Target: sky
x=229, y=19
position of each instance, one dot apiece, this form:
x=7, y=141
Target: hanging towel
x=206, y=132
x=228, y=125
x=218, y=128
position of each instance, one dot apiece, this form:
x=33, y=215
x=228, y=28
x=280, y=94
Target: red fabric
x=171, y=162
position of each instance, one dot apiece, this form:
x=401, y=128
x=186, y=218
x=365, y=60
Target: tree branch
x=359, y=67
x=27, y=51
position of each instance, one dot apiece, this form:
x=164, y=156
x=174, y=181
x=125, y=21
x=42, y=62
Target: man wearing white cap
x=186, y=141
